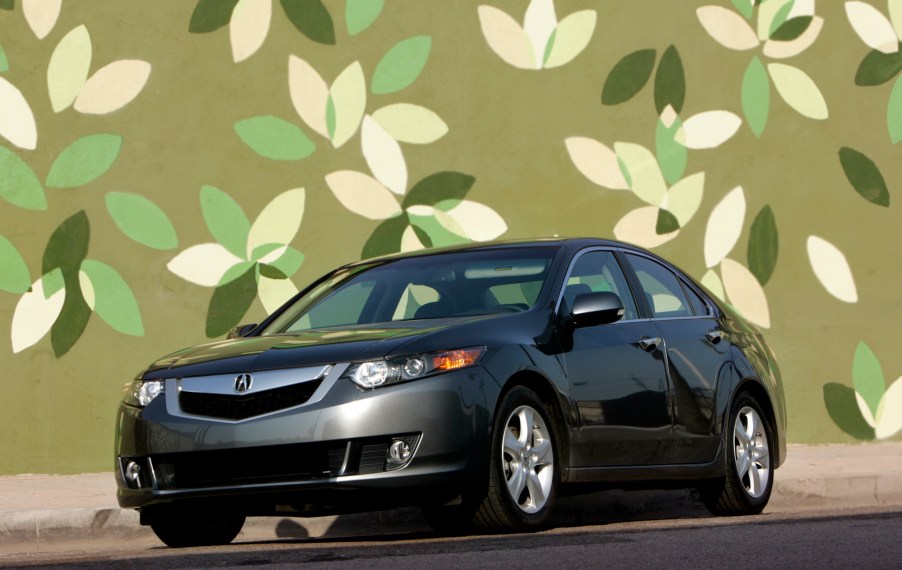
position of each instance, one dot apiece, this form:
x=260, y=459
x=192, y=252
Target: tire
x=182, y=528
x=748, y=480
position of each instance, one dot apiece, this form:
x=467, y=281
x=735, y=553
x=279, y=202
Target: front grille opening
x=228, y=407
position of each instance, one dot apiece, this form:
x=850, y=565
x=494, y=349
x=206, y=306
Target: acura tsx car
x=475, y=382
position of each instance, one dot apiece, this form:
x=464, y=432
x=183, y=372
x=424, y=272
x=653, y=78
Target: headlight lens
x=140, y=392
x=376, y=373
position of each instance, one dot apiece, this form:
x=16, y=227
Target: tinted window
x=698, y=305
x=598, y=271
x=662, y=289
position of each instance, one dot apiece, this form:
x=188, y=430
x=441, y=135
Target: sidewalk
x=38, y=510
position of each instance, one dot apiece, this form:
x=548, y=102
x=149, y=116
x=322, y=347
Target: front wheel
x=181, y=528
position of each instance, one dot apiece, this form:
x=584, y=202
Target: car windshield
x=425, y=287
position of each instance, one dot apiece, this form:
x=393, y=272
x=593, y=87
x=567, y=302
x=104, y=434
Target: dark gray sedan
x=473, y=382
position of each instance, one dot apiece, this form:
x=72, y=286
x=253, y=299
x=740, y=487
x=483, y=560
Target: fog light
x=133, y=474
x=398, y=452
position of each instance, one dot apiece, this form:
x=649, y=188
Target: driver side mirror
x=590, y=309
x=241, y=330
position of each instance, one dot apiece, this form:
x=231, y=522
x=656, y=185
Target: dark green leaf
x=843, y=409
x=18, y=184
x=230, y=302
x=779, y=18
x=877, y=68
x=756, y=96
x=210, y=15
x=7, y=4
x=401, y=65
x=628, y=77
x=84, y=160
x=275, y=138
x=439, y=186
x=72, y=320
x=360, y=14
x=764, y=245
x=67, y=248
x=271, y=272
x=791, y=29
x=667, y=223
x=141, y=220
x=312, y=19
x=670, y=82
x=14, y=274
x=386, y=238
x=423, y=236
x=864, y=176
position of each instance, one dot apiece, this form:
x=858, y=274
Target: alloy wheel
x=527, y=458
x=751, y=452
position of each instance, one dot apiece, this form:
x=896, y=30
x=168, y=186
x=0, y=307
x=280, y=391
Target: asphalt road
x=866, y=538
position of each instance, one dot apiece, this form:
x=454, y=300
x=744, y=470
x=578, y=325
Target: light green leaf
x=779, y=19
x=437, y=232
x=756, y=96
x=798, y=90
x=84, y=160
x=113, y=299
x=867, y=376
x=360, y=14
x=4, y=62
x=275, y=138
x=894, y=112
x=346, y=104
x=279, y=221
x=684, y=198
x=225, y=219
x=234, y=272
x=647, y=181
x=14, y=276
x=570, y=38
x=745, y=7
x=770, y=11
x=68, y=68
x=141, y=220
x=672, y=156
x=289, y=262
x=401, y=65
x=19, y=185
x=411, y=123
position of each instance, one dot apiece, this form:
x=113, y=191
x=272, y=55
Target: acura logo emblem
x=243, y=383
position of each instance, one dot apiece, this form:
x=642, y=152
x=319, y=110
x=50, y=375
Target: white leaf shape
x=798, y=90
x=411, y=123
x=783, y=50
x=889, y=413
x=708, y=130
x=597, y=162
x=421, y=210
x=539, y=24
x=68, y=68
x=87, y=288
x=274, y=292
x=35, y=313
x=309, y=94
x=638, y=227
x=571, y=37
x=506, y=37
x=712, y=281
x=348, y=95
x=646, y=179
x=410, y=241
x=728, y=28
x=724, y=226
x=41, y=15
x=895, y=15
x=279, y=221
x=865, y=411
x=684, y=197
x=478, y=221
x=273, y=255
x=248, y=27
x=872, y=27
x=831, y=269
x=383, y=155
x=744, y=292
x=16, y=119
x=363, y=195
x=203, y=264
x=113, y=87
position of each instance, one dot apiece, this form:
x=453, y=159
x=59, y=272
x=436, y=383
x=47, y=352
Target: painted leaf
x=798, y=90
x=628, y=77
x=274, y=292
x=777, y=49
x=539, y=24
x=113, y=299
x=36, y=312
x=571, y=37
x=712, y=282
x=667, y=222
x=4, y=62
x=744, y=292
x=437, y=231
x=411, y=123
x=438, y=187
x=383, y=155
x=68, y=69
x=274, y=138
x=309, y=94
x=724, y=226
x=7, y=4
x=771, y=14
x=141, y=220
x=311, y=18
x=894, y=112
x=727, y=28
x=289, y=261
x=363, y=195
x=597, y=162
x=895, y=15
x=640, y=227
x=792, y=29
x=410, y=240
x=745, y=7
x=225, y=219
x=84, y=160
x=865, y=411
x=831, y=269
x=230, y=302
x=41, y=15
x=506, y=38
x=867, y=377
x=249, y=27
x=646, y=179
x=889, y=417
x=764, y=245
x=672, y=156
x=684, y=198
x=203, y=264
x=401, y=65
x=67, y=246
x=72, y=320
x=17, y=121
x=19, y=185
x=210, y=15
x=877, y=68
x=360, y=14
x=14, y=277
x=279, y=221
x=843, y=409
x=864, y=176
x=113, y=87
x=348, y=96
x=386, y=238
x=670, y=82
x=476, y=221
x=872, y=27
x=756, y=96
x=709, y=129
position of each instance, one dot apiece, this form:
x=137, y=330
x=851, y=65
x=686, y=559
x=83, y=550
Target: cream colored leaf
x=273, y=255
x=506, y=37
x=539, y=24
x=349, y=98
x=279, y=221
x=831, y=269
x=41, y=15
x=638, y=227
x=410, y=241
x=248, y=27
x=712, y=281
x=363, y=195
x=35, y=314
x=865, y=411
x=728, y=28
x=68, y=69
x=571, y=37
x=801, y=8
x=383, y=155
x=203, y=264
x=889, y=413
x=274, y=292
x=411, y=123
x=87, y=289
x=744, y=292
x=895, y=15
x=872, y=27
x=16, y=119
x=309, y=94
x=708, y=130
x=113, y=87
x=783, y=50
x=477, y=221
x=724, y=226
x=597, y=162
x=798, y=90
x=646, y=179
x=684, y=197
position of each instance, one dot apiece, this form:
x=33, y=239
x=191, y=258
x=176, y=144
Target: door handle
x=649, y=343
x=714, y=336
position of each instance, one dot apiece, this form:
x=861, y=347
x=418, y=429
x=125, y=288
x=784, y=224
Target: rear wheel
x=180, y=527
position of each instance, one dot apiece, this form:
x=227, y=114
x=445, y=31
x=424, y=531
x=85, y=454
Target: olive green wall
x=170, y=168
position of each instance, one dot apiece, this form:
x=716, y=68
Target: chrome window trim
x=683, y=280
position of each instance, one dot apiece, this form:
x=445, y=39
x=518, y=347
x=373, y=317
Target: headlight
x=140, y=392
x=381, y=372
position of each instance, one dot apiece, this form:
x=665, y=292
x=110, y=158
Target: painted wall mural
x=169, y=170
